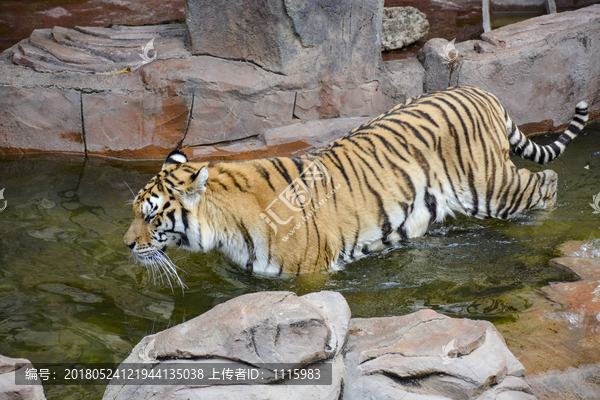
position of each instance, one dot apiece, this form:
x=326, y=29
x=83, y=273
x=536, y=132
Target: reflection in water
x=69, y=291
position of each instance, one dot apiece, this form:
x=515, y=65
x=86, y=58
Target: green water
x=69, y=292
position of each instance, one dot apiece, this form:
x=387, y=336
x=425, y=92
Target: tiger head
x=165, y=214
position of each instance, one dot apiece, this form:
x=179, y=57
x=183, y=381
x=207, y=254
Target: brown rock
x=583, y=268
x=42, y=38
x=560, y=329
x=246, y=150
x=40, y=119
x=124, y=122
x=581, y=301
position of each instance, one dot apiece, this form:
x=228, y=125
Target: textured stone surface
x=570, y=384
x=8, y=389
x=315, y=133
x=90, y=50
x=267, y=327
x=40, y=119
x=330, y=101
x=539, y=68
x=217, y=120
x=429, y=355
x=121, y=124
x=208, y=101
x=421, y=355
x=402, y=26
x=322, y=40
x=406, y=75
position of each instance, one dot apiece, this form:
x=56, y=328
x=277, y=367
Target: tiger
x=388, y=180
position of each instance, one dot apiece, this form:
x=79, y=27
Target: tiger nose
x=130, y=245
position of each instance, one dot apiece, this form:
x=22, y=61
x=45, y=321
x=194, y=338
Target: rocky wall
x=68, y=91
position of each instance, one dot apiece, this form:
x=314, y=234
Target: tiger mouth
x=158, y=263
x=156, y=254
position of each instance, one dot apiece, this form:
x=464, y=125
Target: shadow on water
x=70, y=293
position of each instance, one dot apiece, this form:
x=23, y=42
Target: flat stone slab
x=316, y=133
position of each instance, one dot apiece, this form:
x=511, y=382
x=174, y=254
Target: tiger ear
x=198, y=183
x=199, y=179
x=175, y=157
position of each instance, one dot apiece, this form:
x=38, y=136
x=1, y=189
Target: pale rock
x=9, y=390
x=539, y=68
x=406, y=75
x=402, y=26
x=424, y=355
x=429, y=355
x=266, y=327
x=324, y=40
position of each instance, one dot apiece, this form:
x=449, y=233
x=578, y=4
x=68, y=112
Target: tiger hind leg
x=524, y=190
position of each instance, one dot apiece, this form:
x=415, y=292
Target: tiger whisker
x=159, y=263
x=130, y=189
x=168, y=267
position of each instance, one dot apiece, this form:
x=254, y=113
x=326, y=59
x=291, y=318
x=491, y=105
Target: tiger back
x=388, y=180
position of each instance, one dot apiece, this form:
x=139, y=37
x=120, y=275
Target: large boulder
x=318, y=40
x=267, y=327
x=539, y=68
x=421, y=355
x=427, y=355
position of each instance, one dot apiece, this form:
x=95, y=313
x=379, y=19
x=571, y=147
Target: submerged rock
x=557, y=339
